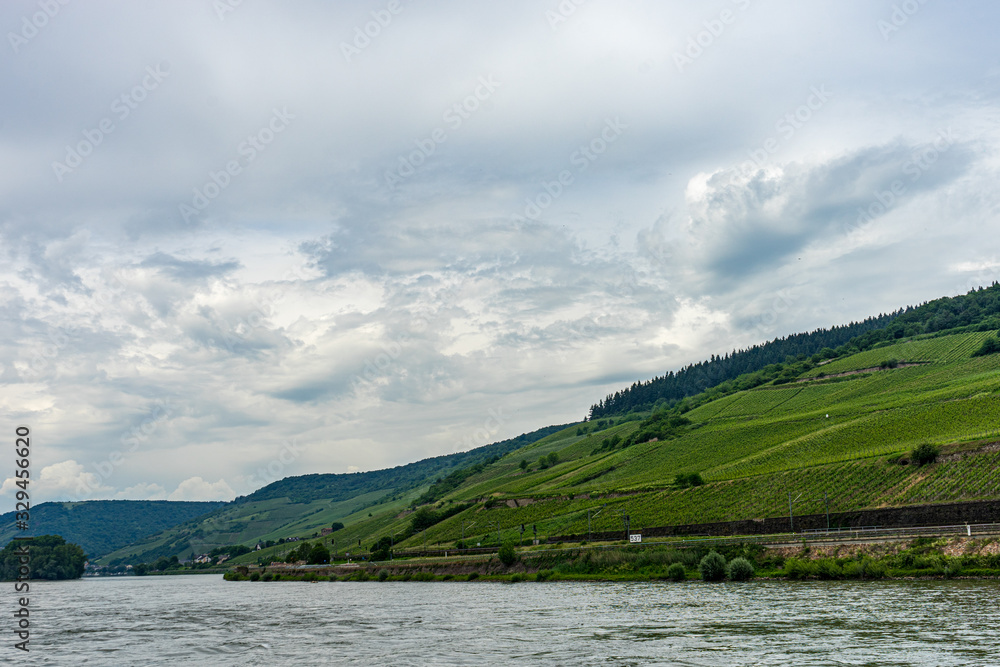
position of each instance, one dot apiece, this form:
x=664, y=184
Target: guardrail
x=813, y=535
x=833, y=535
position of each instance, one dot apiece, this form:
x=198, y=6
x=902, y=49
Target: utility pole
x=464, y=521
x=791, y=517
x=590, y=533
x=827, y=499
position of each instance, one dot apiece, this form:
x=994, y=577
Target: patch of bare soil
x=863, y=370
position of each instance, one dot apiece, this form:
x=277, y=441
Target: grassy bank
x=920, y=558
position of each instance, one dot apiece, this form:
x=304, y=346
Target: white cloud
x=66, y=480
x=195, y=488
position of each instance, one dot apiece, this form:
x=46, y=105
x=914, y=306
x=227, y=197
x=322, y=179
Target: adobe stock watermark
x=584, y=332
x=39, y=360
x=235, y=334
x=484, y=434
x=702, y=40
x=247, y=151
x=130, y=438
x=30, y=26
x=454, y=116
x=223, y=7
x=655, y=247
x=920, y=162
x=764, y=323
x=290, y=452
x=563, y=11
x=581, y=158
x=379, y=365
x=900, y=16
x=787, y=125
x=122, y=107
x=363, y=35
x=264, y=308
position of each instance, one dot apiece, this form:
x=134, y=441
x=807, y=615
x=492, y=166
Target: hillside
x=979, y=310
x=101, y=526
x=305, y=504
x=835, y=427
x=841, y=431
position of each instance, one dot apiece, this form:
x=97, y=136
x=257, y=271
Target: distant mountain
x=101, y=526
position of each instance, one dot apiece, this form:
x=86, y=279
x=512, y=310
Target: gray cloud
x=367, y=254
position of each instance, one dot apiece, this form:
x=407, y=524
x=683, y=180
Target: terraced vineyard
x=840, y=436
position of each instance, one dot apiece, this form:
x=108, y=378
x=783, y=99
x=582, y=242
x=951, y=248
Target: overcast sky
x=246, y=240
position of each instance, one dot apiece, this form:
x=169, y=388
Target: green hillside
x=304, y=505
x=979, y=310
x=837, y=426
x=840, y=430
x=101, y=526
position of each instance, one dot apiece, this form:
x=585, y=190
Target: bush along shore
x=941, y=558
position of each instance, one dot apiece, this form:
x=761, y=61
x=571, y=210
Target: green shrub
x=677, y=572
x=684, y=481
x=798, y=568
x=473, y=576
x=925, y=453
x=827, y=568
x=507, y=555
x=423, y=576
x=543, y=575
x=712, y=567
x=740, y=569
x=866, y=568
x=989, y=346
x=267, y=577
x=407, y=576
x=447, y=577
x=516, y=578
x=334, y=577
x=311, y=576
x=255, y=576
x=383, y=575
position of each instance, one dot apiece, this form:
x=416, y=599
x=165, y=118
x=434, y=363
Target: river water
x=203, y=620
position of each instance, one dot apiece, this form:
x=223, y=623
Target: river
x=203, y=620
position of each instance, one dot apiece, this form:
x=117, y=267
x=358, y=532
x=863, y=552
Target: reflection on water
x=204, y=620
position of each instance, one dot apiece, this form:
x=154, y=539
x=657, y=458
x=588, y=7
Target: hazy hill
x=101, y=526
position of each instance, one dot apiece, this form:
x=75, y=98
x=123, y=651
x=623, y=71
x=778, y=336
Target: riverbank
x=920, y=558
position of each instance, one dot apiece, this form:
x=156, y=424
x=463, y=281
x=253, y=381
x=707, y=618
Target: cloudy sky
x=244, y=240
